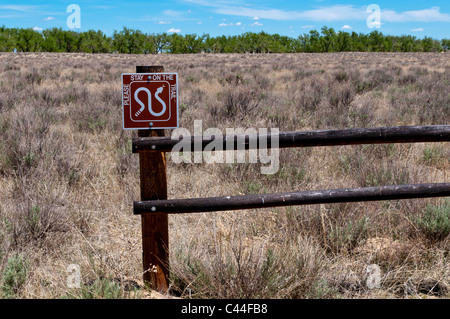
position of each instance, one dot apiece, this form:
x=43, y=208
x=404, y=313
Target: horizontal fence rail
x=378, y=135
x=226, y=203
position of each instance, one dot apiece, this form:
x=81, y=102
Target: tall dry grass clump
x=68, y=178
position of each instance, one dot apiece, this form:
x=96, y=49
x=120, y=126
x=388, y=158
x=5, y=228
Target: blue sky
x=227, y=17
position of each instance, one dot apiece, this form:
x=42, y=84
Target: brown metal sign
x=150, y=100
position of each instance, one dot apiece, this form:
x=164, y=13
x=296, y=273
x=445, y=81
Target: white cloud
x=173, y=30
x=256, y=24
x=102, y=7
x=230, y=24
x=417, y=30
x=18, y=7
x=49, y=19
x=173, y=13
x=38, y=29
x=376, y=24
x=334, y=13
x=9, y=16
x=433, y=14
x=199, y=22
x=346, y=27
x=307, y=26
x=164, y=22
x=326, y=14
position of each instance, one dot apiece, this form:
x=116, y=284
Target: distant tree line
x=137, y=42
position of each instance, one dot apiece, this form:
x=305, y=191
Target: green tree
x=355, y=42
x=302, y=43
x=129, y=41
x=28, y=40
x=194, y=43
x=71, y=41
x=445, y=43
x=160, y=42
x=314, y=41
x=58, y=40
x=388, y=44
x=343, y=41
x=328, y=39
x=375, y=42
x=221, y=44
x=211, y=45
x=95, y=42
x=176, y=43
x=134, y=41
x=52, y=40
x=430, y=45
x=406, y=43
x=281, y=44
x=7, y=39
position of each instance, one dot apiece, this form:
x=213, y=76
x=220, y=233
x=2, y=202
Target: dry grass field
x=68, y=178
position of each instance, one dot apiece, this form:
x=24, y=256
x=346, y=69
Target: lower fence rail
x=227, y=203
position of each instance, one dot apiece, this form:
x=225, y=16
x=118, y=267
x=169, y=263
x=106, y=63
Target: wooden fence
x=154, y=206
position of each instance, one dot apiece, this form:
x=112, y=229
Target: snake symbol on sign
x=149, y=95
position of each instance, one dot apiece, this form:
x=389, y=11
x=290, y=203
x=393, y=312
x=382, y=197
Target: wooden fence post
x=155, y=227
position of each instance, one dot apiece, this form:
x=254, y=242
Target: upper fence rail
x=377, y=135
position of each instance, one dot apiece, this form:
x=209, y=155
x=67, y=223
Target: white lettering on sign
x=126, y=95
x=137, y=77
x=173, y=91
x=154, y=77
